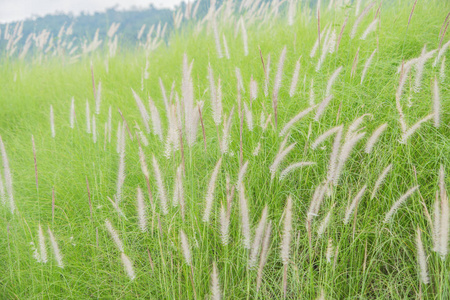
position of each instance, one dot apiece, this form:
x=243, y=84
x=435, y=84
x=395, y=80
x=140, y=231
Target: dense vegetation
x=250, y=156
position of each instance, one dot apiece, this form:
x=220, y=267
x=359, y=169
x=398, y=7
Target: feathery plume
x=311, y=93
x=88, y=118
x=330, y=250
x=405, y=68
x=322, y=106
x=257, y=149
x=98, y=98
x=279, y=159
x=210, y=192
x=354, y=126
x=399, y=202
x=241, y=175
x=420, y=65
x=291, y=11
x=295, y=78
x=114, y=235
x=253, y=89
x=226, y=135
x=346, y=150
x=156, y=120
x=422, y=258
x=436, y=103
x=224, y=226
x=72, y=113
x=366, y=66
x=441, y=52
x=328, y=47
x=293, y=167
x=358, y=6
x=42, y=247
x=359, y=19
x=258, y=239
x=372, y=27
x=334, y=156
x=325, y=135
x=444, y=215
x=341, y=33
x=354, y=204
x=277, y=83
x=216, y=37
x=239, y=79
x=322, y=295
x=355, y=64
x=2, y=191
x=216, y=294
x=414, y=128
x=161, y=189
x=225, y=47
x=324, y=224
x=442, y=70
x=143, y=163
x=128, y=266
x=52, y=121
x=314, y=48
x=185, y=247
x=286, y=241
x=332, y=79
x=178, y=194
x=264, y=252
x=121, y=170
x=436, y=223
x=374, y=137
x=8, y=176
x=287, y=228
x=191, y=116
x=143, y=111
x=380, y=180
x=216, y=98
x=314, y=206
x=295, y=120
x=245, y=218
x=248, y=117
x=212, y=91
x=117, y=208
x=141, y=210
x=56, y=251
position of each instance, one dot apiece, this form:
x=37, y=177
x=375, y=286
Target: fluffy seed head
x=56, y=251
x=287, y=228
x=128, y=266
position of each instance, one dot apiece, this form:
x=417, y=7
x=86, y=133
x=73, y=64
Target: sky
x=16, y=10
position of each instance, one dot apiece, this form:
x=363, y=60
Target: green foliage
x=374, y=260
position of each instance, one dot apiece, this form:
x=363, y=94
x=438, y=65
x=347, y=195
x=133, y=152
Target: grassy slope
x=64, y=162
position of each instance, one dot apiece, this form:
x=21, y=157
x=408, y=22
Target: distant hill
x=85, y=25
x=71, y=34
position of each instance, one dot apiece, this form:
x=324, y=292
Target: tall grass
x=314, y=157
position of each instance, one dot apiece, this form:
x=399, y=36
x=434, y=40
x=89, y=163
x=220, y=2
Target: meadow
x=266, y=151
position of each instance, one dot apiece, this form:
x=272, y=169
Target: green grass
x=375, y=260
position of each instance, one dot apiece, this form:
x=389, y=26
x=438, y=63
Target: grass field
x=176, y=247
